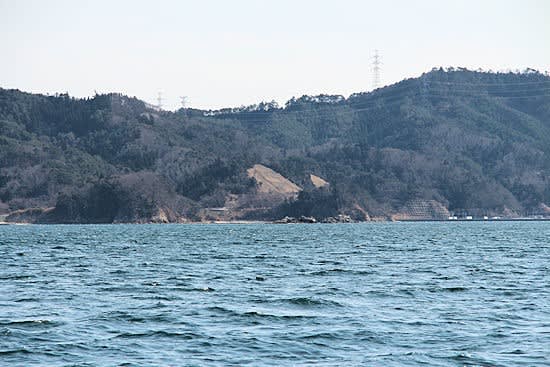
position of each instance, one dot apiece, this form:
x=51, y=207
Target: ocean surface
x=368, y=294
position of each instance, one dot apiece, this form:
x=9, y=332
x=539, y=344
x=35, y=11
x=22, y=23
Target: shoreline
x=278, y=223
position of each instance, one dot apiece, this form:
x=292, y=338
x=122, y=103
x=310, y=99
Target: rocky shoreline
x=37, y=216
x=304, y=219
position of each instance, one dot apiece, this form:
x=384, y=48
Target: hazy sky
x=239, y=52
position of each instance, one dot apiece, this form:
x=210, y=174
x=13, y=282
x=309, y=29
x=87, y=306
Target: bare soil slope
x=271, y=182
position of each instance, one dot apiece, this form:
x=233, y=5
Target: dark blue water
x=396, y=294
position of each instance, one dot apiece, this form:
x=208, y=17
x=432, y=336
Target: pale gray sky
x=239, y=52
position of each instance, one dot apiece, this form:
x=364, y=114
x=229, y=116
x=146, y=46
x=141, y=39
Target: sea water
x=372, y=294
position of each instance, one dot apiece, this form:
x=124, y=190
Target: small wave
x=124, y=288
x=14, y=351
x=16, y=277
x=30, y=299
x=222, y=257
x=455, y=289
x=255, y=314
x=329, y=262
x=120, y=316
x=132, y=318
x=448, y=289
x=158, y=334
x=338, y=271
x=258, y=278
x=306, y=301
x=468, y=360
x=329, y=271
x=156, y=297
x=185, y=287
x=223, y=310
x=327, y=335
x=362, y=272
x=30, y=323
x=406, y=292
x=516, y=351
x=151, y=284
x=118, y=272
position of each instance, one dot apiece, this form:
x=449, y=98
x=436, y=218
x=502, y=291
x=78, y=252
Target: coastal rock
x=340, y=218
x=302, y=219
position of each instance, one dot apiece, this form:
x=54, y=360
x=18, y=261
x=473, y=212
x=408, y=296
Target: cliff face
x=450, y=141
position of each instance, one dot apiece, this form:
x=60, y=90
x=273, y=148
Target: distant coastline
x=278, y=222
x=422, y=149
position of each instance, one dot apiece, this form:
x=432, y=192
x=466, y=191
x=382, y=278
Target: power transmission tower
x=159, y=100
x=376, y=70
x=183, y=102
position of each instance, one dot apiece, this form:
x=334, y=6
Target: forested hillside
x=450, y=141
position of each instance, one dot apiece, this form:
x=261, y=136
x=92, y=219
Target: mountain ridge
x=465, y=141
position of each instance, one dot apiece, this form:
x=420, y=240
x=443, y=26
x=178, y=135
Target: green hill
x=450, y=141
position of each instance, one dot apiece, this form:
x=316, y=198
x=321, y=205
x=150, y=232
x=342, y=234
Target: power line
x=252, y=116
x=403, y=87
x=376, y=99
x=383, y=97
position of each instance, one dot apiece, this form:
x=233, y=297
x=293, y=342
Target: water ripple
x=395, y=294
